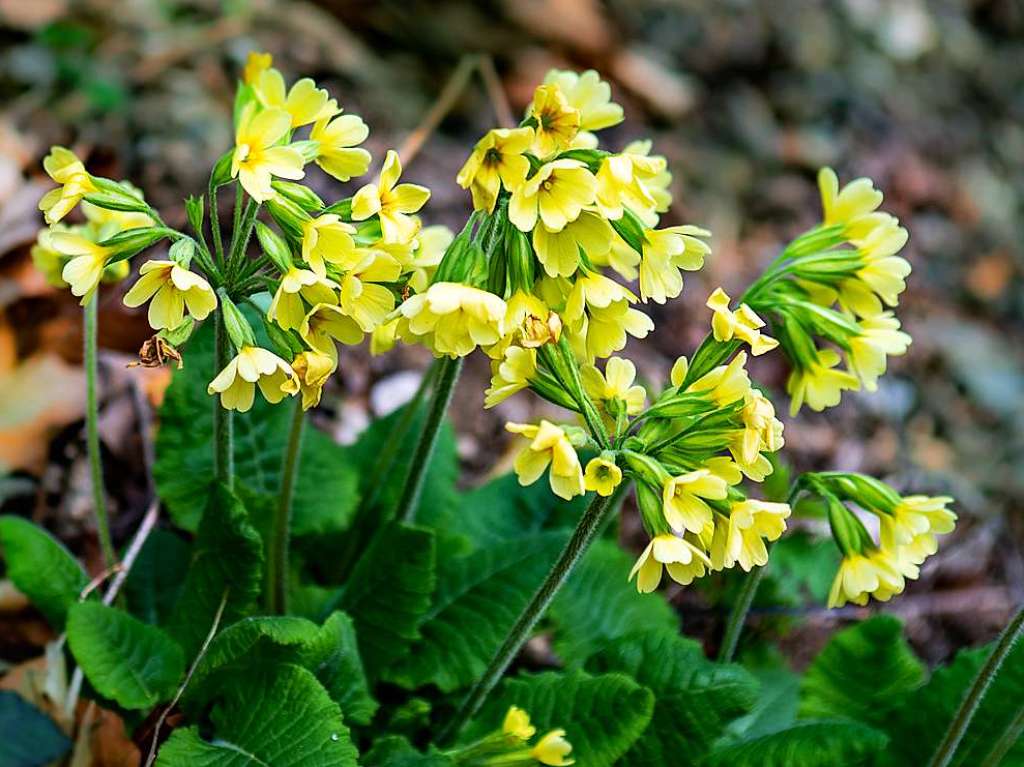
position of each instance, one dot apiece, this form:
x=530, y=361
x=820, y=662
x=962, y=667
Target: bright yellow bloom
x=883, y=275
x=497, y=160
x=602, y=476
x=530, y=322
x=657, y=185
x=744, y=324
x=553, y=749
x=391, y=202
x=559, y=252
x=47, y=260
x=684, y=562
x=326, y=323
x=237, y=382
x=683, y=499
x=592, y=290
x=589, y=95
x=604, y=330
x=312, y=370
x=510, y=374
x=725, y=384
x=362, y=299
x=916, y=516
x=558, y=192
x=257, y=158
x=84, y=270
x=172, y=288
x=287, y=308
x=549, y=446
x=328, y=239
x=861, y=576
x=622, y=181
x=751, y=523
x=614, y=390
x=844, y=206
x=819, y=384
x=339, y=139
x=428, y=249
x=557, y=121
x=255, y=64
x=761, y=429
x=878, y=338
x=67, y=170
x=454, y=319
x=517, y=724
x=621, y=258
x=384, y=337
x=665, y=252
x=303, y=101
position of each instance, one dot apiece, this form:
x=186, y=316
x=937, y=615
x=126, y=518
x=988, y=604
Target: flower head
x=312, y=369
x=743, y=324
x=557, y=193
x=845, y=206
x=64, y=167
x=497, y=160
x=818, y=383
x=665, y=252
x=878, y=338
x=683, y=499
x=549, y=445
x=588, y=94
x=287, y=308
x=683, y=560
x=339, y=138
x=559, y=252
x=85, y=269
x=613, y=391
x=172, y=288
x=454, y=319
x=255, y=63
x=751, y=523
x=391, y=202
x=914, y=517
x=553, y=749
x=303, y=101
x=602, y=476
x=257, y=157
x=557, y=122
x=326, y=323
x=327, y=239
x=863, y=575
x=517, y=724
x=253, y=366
x=510, y=374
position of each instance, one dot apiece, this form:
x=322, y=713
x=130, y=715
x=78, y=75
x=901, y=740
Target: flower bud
x=222, y=169
x=274, y=247
x=288, y=215
x=237, y=326
x=195, y=210
x=180, y=334
x=181, y=252
x=127, y=243
x=520, y=260
x=301, y=195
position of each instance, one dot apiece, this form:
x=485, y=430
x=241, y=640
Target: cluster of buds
x=510, y=746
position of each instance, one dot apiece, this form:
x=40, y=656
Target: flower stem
x=277, y=564
x=586, y=530
x=972, y=699
x=1006, y=741
x=92, y=433
x=738, y=615
x=447, y=376
x=223, y=424
x=218, y=239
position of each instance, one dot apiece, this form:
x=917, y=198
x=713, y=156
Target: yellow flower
x=510, y=374
x=553, y=749
x=47, y=260
x=559, y=252
x=429, y=248
x=326, y=323
x=622, y=181
x=384, y=337
x=454, y=319
x=66, y=169
x=761, y=429
x=818, y=383
x=339, y=139
x=879, y=337
x=665, y=252
x=751, y=523
x=592, y=290
x=604, y=330
x=172, y=288
x=588, y=94
x=883, y=275
x=236, y=383
x=614, y=390
x=557, y=121
x=257, y=158
x=363, y=300
x=84, y=270
x=558, y=192
x=602, y=476
x=303, y=101
x=255, y=63
x=658, y=184
x=497, y=160
x=861, y=576
x=683, y=499
x=549, y=446
x=620, y=257
x=684, y=562
x=312, y=370
x=844, y=206
x=391, y=202
x=725, y=384
x=517, y=724
x=287, y=308
x=916, y=516
x=744, y=324
x=328, y=239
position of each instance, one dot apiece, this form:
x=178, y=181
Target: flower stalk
x=739, y=612
x=280, y=532
x=92, y=433
x=223, y=419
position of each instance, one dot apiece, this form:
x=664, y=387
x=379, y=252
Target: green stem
x=1006, y=741
x=447, y=376
x=586, y=530
x=223, y=422
x=738, y=615
x=240, y=239
x=277, y=564
x=972, y=699
x=218, y=240
x=92, y=433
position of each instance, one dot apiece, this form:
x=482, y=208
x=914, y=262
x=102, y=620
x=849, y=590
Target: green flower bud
x=274, y=247
x=195, y=209
x=237, y=326
x=301, y=195
x=182, y=251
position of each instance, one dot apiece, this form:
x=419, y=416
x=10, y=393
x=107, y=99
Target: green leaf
x=389, y=593
x=227, y=562
x=812, y=743
x=334, y=658
x=280, y=717
x=41, y=568
x=124, y=659
x=775, y=708
x=602, y=715
x=156, y=579
x=861, y=672
x=28, y=737
x=598, y=604
x=802, y=569
x=695, y=698
x=326, y=489
x=479, y=597
x=395, y=751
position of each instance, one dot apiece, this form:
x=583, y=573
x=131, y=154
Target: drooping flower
x=255, y=63
x=665, y=252
x=287, y=308
x=85, y=269
x=725, y=384
x=339, y=153
x=613, y=390
x=326, y=323
x=253, y=366
x=327, y=239
x=559, y=252
x=553, y=749
x=588, y=94
x=602, y=476
x=557, y=193
x=64, y=167
x=510, y=374
x=818, y=383
x=682, y=559
x=517, y=724
x=878, y=337
x=362, y=297
x=751, y=523
x=257, y=158
x=863, y=575
x=454, y=319
x=391, y=202
x=549, y=445
x=312, y=369
x=916, y=516
x=845, y=206
x=743, y=324
x=497, y=160
x=172, y=288
x=683, y=499
x=761, y=429
x=627, y=180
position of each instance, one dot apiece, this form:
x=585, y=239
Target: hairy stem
x=277, y=564
x=218, y=239
x=447, y=377
x=223, y=422
x=738, y=614
x=92, y=433
x=1006, y=741
x=586, y=530
x=972, y=699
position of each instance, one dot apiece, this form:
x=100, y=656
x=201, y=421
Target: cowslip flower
x=172, y=288
x=683, y=499
x=253, y=366
x=362, y=298
x=613, y=390
x=743, y=324
x=751, y=523
x=517, y=724
x=818, y=383
x=255, y=63
x=724, y=384
x=559, y=252
x=257, y=158
x=391, y=202
x=85, y=269
x=497, y=160
x=287, y=308
x=557, y=123
x=553, y=749
x=626, y=180
x=862, y=575
x=878, y=338
x=510, y=374
x=665, y=252
x=327, y=239
x=303, y=101
x=64, y=167
x=425, y=255
x=326, y=323
x=914, y=517
x=548, y=446
x=682, y=559
x=602, y=476
x=883, y=276
x=454, y=319
x=557, y=193
x=339, y=153
x=604, y=330
x=844, y=206
x=761, y=429
x=312, y=369
x=588, y=94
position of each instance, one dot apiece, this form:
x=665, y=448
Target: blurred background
x=745, y=98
